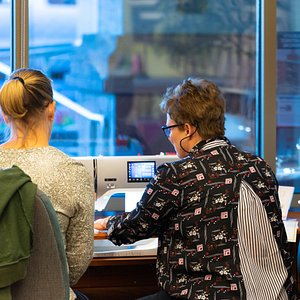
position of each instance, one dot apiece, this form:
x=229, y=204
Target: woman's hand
x=101, y=224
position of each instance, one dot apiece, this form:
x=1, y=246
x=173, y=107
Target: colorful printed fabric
x=199, y=209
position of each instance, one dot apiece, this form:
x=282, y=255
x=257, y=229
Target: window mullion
x=19, y=49
x=266, y=81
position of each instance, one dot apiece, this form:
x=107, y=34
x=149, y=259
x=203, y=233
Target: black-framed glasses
x=167, y=129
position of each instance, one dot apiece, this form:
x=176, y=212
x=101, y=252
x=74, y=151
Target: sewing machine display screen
x=140, y=171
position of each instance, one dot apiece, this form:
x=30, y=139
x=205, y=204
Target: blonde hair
x=24, y=97
x=27, y=92
x=198, y=102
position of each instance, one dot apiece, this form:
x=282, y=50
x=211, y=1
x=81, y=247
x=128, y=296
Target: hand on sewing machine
x=101, y=224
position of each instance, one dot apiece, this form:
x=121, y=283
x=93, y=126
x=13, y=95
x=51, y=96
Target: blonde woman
x=28, y=108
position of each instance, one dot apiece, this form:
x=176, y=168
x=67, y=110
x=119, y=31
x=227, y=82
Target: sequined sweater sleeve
x=79, y=238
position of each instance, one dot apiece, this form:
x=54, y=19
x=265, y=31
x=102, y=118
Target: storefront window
x=288, y=93
x=111, y=60
x=5, y=43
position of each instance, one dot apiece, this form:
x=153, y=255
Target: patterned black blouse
x=217, y=216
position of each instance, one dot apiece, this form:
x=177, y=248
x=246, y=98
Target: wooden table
x=133, y=277
x=108, y=278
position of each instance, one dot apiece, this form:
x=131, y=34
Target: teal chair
x=47, y=272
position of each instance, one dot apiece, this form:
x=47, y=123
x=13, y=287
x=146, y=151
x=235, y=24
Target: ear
x=6, y=119
x=188, y=128
x=51, y=110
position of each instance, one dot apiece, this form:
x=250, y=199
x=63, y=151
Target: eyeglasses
x=167, y=129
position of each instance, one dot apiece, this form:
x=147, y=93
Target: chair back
x=47, y=272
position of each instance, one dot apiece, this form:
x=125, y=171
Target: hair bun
x=20, y=79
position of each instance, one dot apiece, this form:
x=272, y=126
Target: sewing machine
x=119, y=183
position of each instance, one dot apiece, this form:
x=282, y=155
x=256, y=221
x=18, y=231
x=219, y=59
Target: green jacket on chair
x=17, y=195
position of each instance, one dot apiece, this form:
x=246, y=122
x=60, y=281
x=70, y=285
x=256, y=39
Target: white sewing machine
x=126, y=176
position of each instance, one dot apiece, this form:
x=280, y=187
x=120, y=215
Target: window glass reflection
x=288, y=93
x=5, y=43
x=111, y=60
